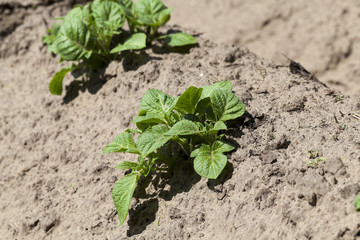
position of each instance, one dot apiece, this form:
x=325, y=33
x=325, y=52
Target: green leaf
x=55, y=85
x=226, y=105
x=125, y=3
x=109, y=17
x=127, y=165
x=208, y=89
x=150, y=13
x=150, y=119
x=124, y=142
x=187, y=102
x=184, y=127
x=204, y=108
x=156, y=101
x=163, y=17
x=72, y=40
x=179, y=39
x=152, y=139
x=221, y=146
x=133, y=130
x=140, y=160
x=75, y=13
x=80, y=12
x=209, y=162
x=135, y=42
x=149, y=7
x=51, y=38
x=195, y=152
x=87, y=16
x=127, y=6
x=220, y=126
x=122, y=194
x=357, y=203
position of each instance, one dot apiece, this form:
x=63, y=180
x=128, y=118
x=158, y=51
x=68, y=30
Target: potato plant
x=88, y=34
x=194, y=120
x=146, y=16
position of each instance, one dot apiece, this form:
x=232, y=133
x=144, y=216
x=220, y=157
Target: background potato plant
x=194, y=120
x=92, y=35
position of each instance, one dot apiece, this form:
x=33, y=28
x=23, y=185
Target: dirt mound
x=320, y=35
x=56, y=183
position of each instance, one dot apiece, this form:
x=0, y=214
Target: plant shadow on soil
x=131, y=61
x=181, y=180
x=166, y=49
x=166, y=185
x=93, y=84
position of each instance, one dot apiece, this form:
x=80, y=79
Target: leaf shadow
x=166, y=185
x=225, y=175
x=142, y=216
x=247, y=120
x=165, y=49
x=131, y=60
x=180, y=180
x=91, y=84
x=162, y=48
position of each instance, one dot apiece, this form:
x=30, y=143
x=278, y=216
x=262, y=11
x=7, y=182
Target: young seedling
x=86, y=34
x=315, y=162
x=195, y=121
x=357, y=203
x=315, y=158
x=339, y=98
x=343, y=127
x=271, y=135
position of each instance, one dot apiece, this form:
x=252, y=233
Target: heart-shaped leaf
x=135, y=42
x=109, y=17
x=208, y=89
x=150, y=13
x=184, y=127
x=152, y=139
x=179, y=39
x=156, y=101
x=187, y=102
x=226, y=105
x=124, y=142
x=209, y=162
x=73, y=40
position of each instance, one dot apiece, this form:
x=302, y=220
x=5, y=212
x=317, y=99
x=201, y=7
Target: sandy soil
x=321, y=35
x=55, y=182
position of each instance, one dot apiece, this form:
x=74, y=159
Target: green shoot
x=315, y=162
x=88, y=34
x=194, y=121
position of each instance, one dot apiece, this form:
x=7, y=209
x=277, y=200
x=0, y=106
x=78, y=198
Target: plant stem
x=184, y=144
x=150, y=32
x=161, y=169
